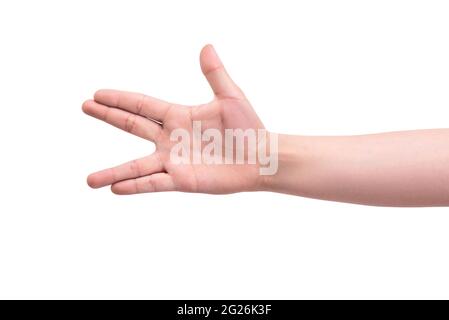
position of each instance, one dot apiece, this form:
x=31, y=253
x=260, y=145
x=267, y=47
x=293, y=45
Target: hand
x=154, y=120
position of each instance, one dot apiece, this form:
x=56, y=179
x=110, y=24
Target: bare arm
x=409, y=168
x=394, y=169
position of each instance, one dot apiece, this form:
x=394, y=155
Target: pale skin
x=409, y=168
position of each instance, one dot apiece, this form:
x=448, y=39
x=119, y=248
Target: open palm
x=155, y=120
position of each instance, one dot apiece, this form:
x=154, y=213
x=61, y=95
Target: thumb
x=215, y=73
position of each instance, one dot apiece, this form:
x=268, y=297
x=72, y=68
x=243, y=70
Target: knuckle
x=135, y=168
x=140, y=104
x=151, y=185
x=130, y=123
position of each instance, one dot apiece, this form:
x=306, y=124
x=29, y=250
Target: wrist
x=290, y=156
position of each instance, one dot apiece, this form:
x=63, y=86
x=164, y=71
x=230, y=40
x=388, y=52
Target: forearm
x=409, y=168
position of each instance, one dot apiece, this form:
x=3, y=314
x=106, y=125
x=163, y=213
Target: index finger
x=137, y=103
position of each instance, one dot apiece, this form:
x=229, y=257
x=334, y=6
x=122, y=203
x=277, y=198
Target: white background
x=311, y=67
